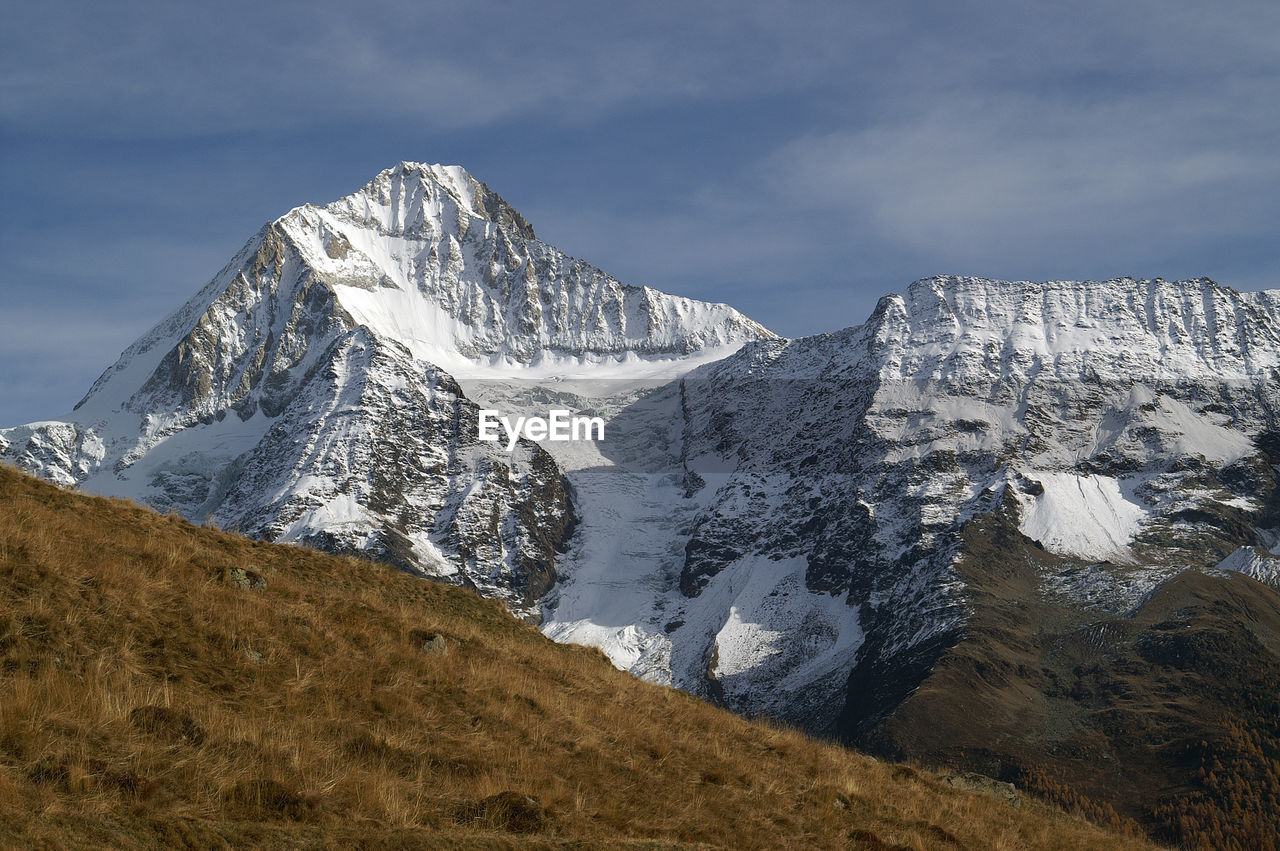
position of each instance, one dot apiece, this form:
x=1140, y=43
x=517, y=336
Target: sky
x=797, y=160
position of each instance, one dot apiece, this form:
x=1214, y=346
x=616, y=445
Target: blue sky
x=796, y=160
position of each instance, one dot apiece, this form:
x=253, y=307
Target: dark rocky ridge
x=1166, y=715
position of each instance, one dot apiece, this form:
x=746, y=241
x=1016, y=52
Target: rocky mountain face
x=805, y=499
x=1024, y=529
x=1099, y=414
x=1017, y=528
x=308, y=392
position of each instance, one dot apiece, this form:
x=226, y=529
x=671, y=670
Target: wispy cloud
x=50, y=363
x=1031, y=180
x=1073, y=141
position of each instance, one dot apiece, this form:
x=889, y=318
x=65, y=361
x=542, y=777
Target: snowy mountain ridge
x=805, y=531
x=429, y=257
x=1163, y=330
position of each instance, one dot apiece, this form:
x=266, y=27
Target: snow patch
x=1250, y=562
x=1087, y=516
x=777, y=629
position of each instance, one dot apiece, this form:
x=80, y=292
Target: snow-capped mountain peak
x=266, y=401
x=807, y=528
x=418, y=199
x=784, y=526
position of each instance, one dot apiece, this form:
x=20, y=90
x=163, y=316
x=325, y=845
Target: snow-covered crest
x=431, y=257
x=1154, y=329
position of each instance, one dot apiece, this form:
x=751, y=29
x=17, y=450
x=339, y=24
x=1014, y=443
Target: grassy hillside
x=165, y=684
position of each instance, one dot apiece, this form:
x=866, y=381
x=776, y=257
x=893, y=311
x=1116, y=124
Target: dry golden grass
x=147, y=699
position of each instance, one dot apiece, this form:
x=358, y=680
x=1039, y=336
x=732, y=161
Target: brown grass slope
x=154, y=692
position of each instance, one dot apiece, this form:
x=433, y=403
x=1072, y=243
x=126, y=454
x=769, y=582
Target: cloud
x=49, y=364
x=1071, y=141
x=1039, y=179
x=163, y=68
x=145, y=67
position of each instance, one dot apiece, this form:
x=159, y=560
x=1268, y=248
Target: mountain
x=989, y=528
x=309, y=391
x=166, y=685
x=843, y=466
x=1019, y=528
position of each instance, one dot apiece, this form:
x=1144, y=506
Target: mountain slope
x=1165, y=713
x=817, y=487
x=170, y=685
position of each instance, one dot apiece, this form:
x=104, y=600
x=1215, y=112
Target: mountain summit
x=307, y=393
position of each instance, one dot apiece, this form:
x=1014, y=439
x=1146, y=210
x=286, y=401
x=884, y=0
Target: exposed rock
x=243, y=577
x=973, y=782
x=432, y=643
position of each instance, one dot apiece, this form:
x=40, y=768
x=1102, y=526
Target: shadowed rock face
x=1119, y=422
x=374, y=430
